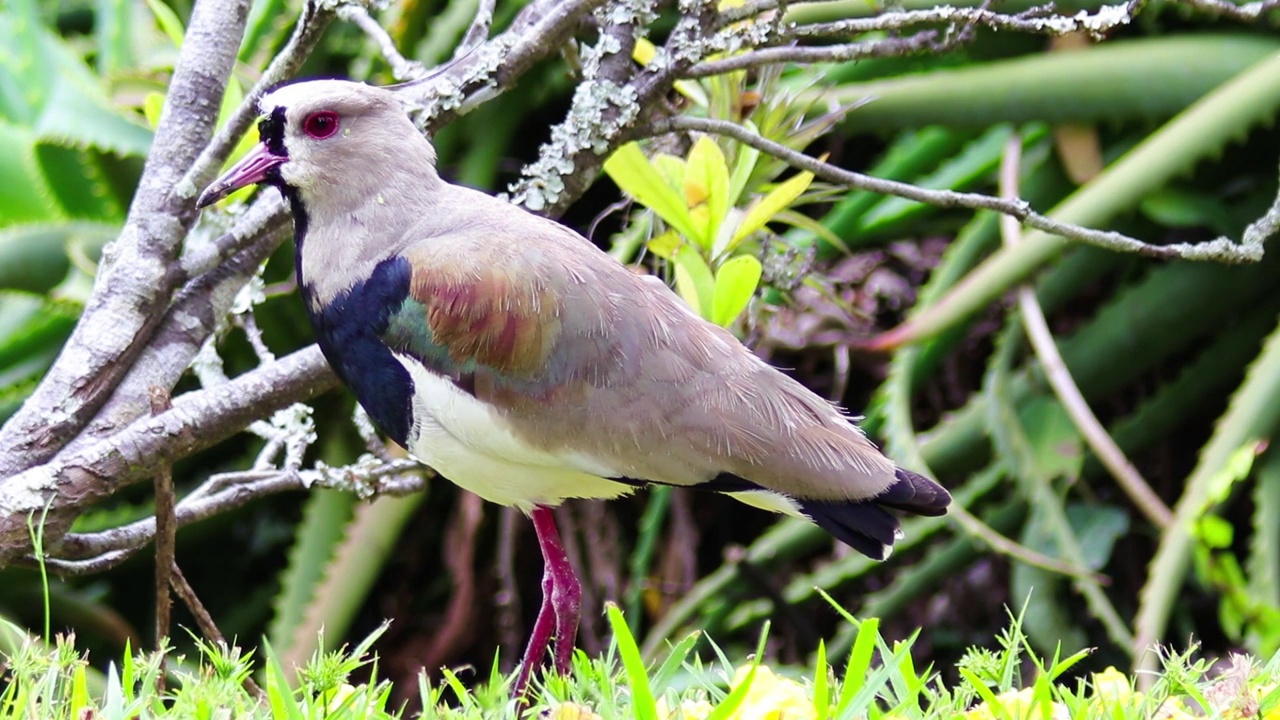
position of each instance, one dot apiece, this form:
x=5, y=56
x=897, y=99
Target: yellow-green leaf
x=743, y=165
x=770, y=205
x=736, y=282
x=632, y=171
x=694, y=280
x=706, y=178
x=152, y=105
x=804, y=222
x=665, y=245
x=671, y=168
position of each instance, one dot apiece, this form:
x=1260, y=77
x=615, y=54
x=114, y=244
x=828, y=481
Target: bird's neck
x=339, y=241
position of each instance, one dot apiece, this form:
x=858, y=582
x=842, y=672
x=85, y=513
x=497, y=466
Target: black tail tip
x=916, y=494
x=869, y=528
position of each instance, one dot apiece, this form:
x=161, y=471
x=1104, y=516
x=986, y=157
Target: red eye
x=321, y=125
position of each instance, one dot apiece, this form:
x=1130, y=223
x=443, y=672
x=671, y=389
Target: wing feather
x=584, y=357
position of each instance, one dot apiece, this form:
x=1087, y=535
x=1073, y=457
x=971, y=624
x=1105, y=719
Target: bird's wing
x=586, y=359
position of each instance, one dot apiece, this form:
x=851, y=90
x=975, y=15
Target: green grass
x=1006, y=681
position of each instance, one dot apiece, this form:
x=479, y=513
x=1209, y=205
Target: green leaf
x=859, y=662
x=1056, y=447
x=1237, y=467
x=674, y=662
x=168, y=21
x=642, y=701
x=743, y=165
x=770, y=205
x=1215, y=532
x=706, y=180
x=112, y=28
x=1177, y=207
x=804, y=222
x=736, y=282
x=24, y=195
x=283, y=702
x=1098, y=527
x=73, y=117
x=672, y=170
x=694, y=281
x=637, y=177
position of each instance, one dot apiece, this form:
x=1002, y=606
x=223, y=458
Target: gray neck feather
x=364, y=222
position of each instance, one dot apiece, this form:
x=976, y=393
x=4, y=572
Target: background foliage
x=898, y=310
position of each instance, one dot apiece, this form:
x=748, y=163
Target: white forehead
x=317, y=94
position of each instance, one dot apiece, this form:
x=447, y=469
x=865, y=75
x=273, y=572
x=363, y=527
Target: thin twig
x=205, y=622
x=229, y=491
x=1059, y=375
x=1017, y=551
x=1248, y=12
x=744, y=11
x=166, y=530
x=1221, y=250
x=1037, y=21
x=889, y=47
x=401, y=68
x=479, y=30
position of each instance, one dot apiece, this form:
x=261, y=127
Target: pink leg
x=561, y=603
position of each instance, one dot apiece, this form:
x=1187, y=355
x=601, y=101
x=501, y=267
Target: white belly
x=467, y=442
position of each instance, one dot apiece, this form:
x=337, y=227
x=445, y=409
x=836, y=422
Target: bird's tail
x=867, y=526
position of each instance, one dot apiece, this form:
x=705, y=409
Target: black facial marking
x=271, y=132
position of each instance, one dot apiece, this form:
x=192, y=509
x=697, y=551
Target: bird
x=526, y=365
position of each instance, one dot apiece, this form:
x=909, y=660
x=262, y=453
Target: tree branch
x=1221, y=250
x=137, y=276
x=313, y=20
x=94, y=552
x=196, y=421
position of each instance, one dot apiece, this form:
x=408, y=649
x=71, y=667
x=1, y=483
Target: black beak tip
x=208, y=197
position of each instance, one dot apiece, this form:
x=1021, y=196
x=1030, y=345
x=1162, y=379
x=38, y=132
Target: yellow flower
x=771, y=697
x=1173, y=709
x=1020, y=705
x=1111, y=685
x=571, y=711
x=688, y=710
x=335, y=697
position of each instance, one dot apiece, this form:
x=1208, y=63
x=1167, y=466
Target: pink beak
x=252, y=168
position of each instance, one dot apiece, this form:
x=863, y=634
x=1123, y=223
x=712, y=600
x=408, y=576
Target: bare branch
x=889, y=47
x=605, y=113
x=183, y=329
x=137, y=276
x=197, y=421
x=1036, y=21
x=401, y=68
x=495, y=66
x=744, y=11
x=1059, y=375
x=1248, y=12
x=165, y=530
x=1220, y=250
x=479, y=30
x=313, y=20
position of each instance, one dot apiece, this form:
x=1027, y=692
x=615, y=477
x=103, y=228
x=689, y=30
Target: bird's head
x=325, y=141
